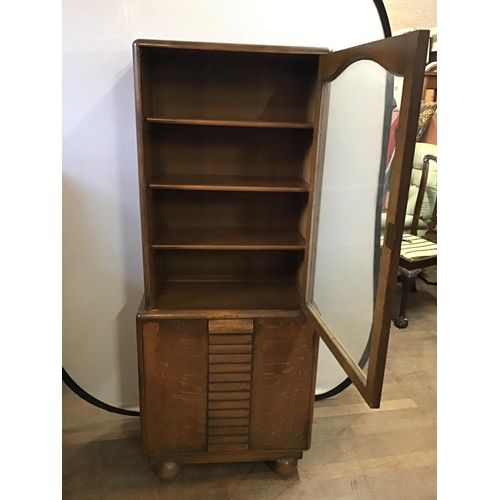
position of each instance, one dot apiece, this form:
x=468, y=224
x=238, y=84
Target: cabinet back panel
x=240, y=265
x=228, y=209
x=187, y=149
x=225, y=85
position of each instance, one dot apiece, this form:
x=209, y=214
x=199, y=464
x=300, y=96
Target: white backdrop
x=102, y=273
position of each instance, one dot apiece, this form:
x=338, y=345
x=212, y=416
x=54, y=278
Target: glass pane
x=360, y=141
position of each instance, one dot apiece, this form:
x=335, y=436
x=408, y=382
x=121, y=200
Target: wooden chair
x=417, y=252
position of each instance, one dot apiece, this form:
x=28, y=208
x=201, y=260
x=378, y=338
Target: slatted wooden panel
x=229, y=384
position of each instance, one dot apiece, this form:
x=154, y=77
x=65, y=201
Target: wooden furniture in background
x=429, y=89
x=429, y=93
x=430, y=135
x=228, y=137
x=417, y=253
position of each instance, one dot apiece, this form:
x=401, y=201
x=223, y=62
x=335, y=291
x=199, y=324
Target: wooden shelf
x=226, y=152
x=179, y=296
x=228, y=238
x=230, y=123
x=229, y=183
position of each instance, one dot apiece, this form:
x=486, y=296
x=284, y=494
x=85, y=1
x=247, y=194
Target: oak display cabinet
x=231, y=146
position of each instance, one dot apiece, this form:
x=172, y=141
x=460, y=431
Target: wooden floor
x=356, y=453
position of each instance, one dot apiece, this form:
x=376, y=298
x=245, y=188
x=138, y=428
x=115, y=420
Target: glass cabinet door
x=361, y=184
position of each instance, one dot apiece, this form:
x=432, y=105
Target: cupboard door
x=174, y=386
x=283, y=378
x=360, y=194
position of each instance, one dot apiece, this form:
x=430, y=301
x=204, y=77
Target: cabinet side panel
x=175, y=356
x=145, y=154
x=283, y=361
x=140, y=326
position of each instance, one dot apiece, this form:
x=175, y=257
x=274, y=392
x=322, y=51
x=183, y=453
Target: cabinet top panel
x=229, y=47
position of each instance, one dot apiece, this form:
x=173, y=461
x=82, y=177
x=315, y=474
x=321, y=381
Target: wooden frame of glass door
x=404, y=56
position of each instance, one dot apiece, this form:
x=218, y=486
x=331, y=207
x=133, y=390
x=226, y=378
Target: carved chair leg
x=408, y=278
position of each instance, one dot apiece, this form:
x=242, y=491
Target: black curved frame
x=384, y=19
x=94, y=401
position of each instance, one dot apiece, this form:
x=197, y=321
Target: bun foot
x=166, y=470
x=284, y=466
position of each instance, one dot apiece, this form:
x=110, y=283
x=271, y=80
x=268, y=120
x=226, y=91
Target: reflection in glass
x=359, y=148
